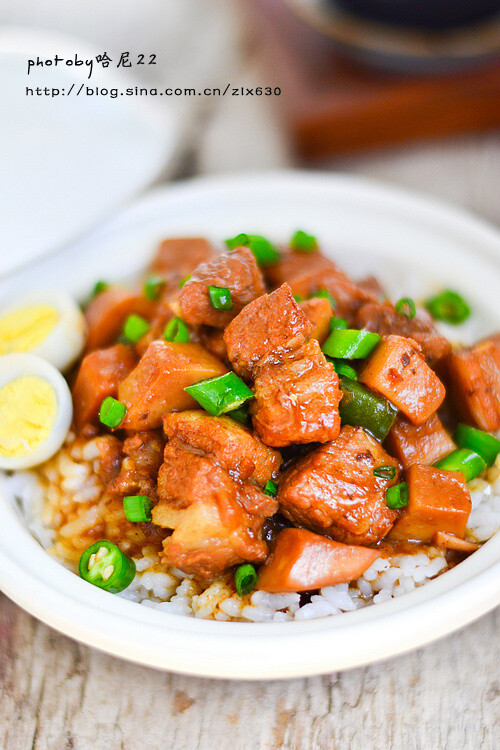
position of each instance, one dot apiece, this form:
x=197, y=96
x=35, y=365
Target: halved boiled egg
x=48, y=324
x=35, y=411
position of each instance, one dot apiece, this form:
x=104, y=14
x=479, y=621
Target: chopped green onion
x=360, y=407
x=339, y=324
x=385, y=472
x=241, y=414
x=271, y=488
x=176, y=330
x=184, y=280
x=137, y=508
x=265, y=252
x=112, y=412
x=324, y=294
x=153, y=286
x=135, y=328
x=485, y=445
x=245, y=579
x=464, y=460
x=350, y=344
x=220, y=297
x=397, y=496
x=303, y=242
x=221, y=394
x=298, y=299
x=99, y=286
x=104, y=565
x=448, y=306
x=406, y=307
x=342, y=368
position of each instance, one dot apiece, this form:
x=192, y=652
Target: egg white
x=65, y=342
x=13, y=366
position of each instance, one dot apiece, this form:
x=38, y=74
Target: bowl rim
x=53, y=594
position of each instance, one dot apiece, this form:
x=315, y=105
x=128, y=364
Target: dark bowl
x=423, y=14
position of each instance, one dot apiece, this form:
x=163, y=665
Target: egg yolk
x=27, y=328
x=28, y=408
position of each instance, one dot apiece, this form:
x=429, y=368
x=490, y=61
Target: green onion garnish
x=265, y=252
x=153, y=286
x=406, y=307
x=184, y=280
x=220, y=297
x=485, y=445
x=176, y=330
x=104, y=565
x=303, y=242
x=135, y=328
x=137, y=508
x=345, y=370
x=245, y=579
x=448, y=306
x=385, y=472
x=324, y=294
x=338, y=324
x=350, y=343
x=397, y=496
x=112, y=412
x=221, y=394
x=99, y=286
x=464, y=460
x=360, y=407
x=271, y=488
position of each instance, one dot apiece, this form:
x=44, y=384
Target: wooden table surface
x=56, y=694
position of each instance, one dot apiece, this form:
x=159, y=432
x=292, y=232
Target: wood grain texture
x=58, y=695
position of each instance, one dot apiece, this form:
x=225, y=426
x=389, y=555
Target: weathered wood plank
x=56, y=694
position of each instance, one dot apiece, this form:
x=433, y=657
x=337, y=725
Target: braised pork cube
x=303, y=561
x=106, y=314
x=110, y=457
x=98, y=377
x=297, y=401
x=319, y=312
x=236, y=271
x=212, y=339
x=139, y=469
x=233, y=446
x=419, y=444
x=157, y=384
x=333, y=490
x=397, y=370
x=438, y=501
x=474, y=381
x=307, y=273
x=179, y=257
x=267, y=330
x=216, y=520
x=385, y=320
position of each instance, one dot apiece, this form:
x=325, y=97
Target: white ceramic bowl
x=409, y=241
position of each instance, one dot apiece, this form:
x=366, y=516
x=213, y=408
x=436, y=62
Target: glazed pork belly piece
x=176, y=258
x=333, y=490
x=318, y=311
x=237, y=271
x=209, y=496
x=474, y=382
x=138, y=473
x=418, y=444
x=296, y=390
x=307, y=273
x=107, y=312
x=384, y=319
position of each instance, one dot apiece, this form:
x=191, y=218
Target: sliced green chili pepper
x=360, y=407
x=99, y=286
x=104, y=565
x=220, y=297
x=184, y=280
x=485, y=445
x=245, y=579
x=221, y=394
x=324, y=294
x=241, y=414
x=385, y=472
x=176, y=330
x=406, y=307
x=271, y=488
x=135, y=328
x=112, y=412
x=153, y=286
x=303, y=242
x=265, y=252
x=342, y=368
x=337, y=324
x=464, y=460
x=137, y=508
x=397, y=496
x=350, y=343
x=448, y=306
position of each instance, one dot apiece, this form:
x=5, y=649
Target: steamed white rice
x=169, y=590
